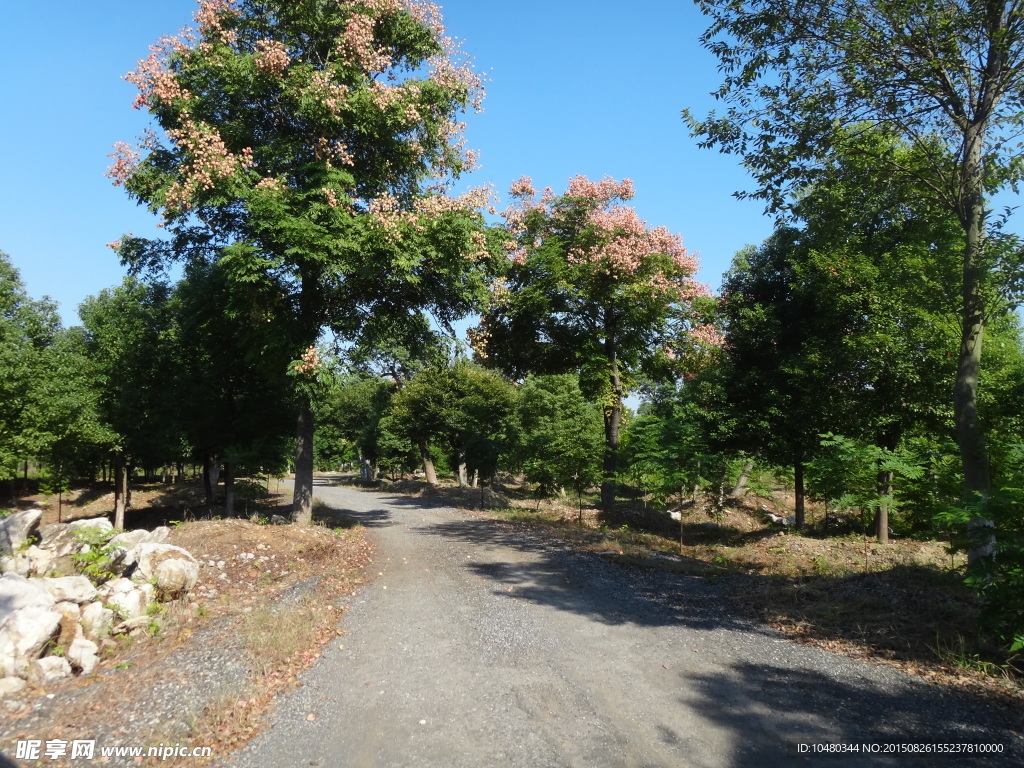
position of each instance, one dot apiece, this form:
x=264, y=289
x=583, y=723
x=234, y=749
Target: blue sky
x=591, y=87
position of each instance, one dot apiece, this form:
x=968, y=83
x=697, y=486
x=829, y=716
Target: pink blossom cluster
x=522, y=187
x=332, y=94
x=332, y=151
x=126, y=160
x=357, y=46
x=456, y=74
x=271, y=183
x=154, y=79
x=615, y=241
x=331, y=195
x=208, y=160
x=271, y=57
x=603, y=191
x=389, y=216
x=210, y=18
x=308, y=363
x=707, y=335
x=426, y=13
x=385, y=96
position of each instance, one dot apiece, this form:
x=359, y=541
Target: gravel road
x=478, y=645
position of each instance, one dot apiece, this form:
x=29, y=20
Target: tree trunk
x=211, y=476
x=741, y=481
x=302, y=500
x=428, y=463
x=461, y=460
x=970, y=436
x=882, y=516
x=798, y=482
x=612, y=429
x=229, y=489
x=120, y=489
x=475, y=479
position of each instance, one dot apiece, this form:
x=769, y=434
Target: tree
x=48, y=393
x=936, y=74
x=307, y=147
x=462, y=407
x=231, y=374
x=840, y=322
x=27, y=328
x=129, y=339
x=562, y=433
x=591, y=289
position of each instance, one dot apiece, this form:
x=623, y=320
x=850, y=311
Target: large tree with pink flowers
x=307, y=147
x=590, y=287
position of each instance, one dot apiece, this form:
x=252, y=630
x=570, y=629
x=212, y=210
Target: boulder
x=96, y=621
x=172, y=570
x=75, y=589
x=39, y=561
x=16, y=529
x=29, y=619
x=28, y=562
x=62, y=538
x=130, y=539
x=130, y=602
x=11, y=685
x=48, y=670
x=159, y=535
x=17, y=566
x=83, y=655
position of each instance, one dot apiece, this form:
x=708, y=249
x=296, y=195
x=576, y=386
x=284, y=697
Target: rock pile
x=53, y=625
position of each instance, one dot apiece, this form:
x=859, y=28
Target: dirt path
x=478, y=645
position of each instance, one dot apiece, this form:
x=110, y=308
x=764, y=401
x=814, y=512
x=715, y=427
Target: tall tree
x=797, y=74
x=590, y=288
x=308, y=145
x=129, y=337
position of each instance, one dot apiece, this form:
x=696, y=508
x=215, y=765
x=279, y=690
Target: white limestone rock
x=48, y=670
x=96, y=621
x=75, y=589
x=172, y=570
x=29, y=621
x=11, y=685
x=16, y=529
x=83, y=655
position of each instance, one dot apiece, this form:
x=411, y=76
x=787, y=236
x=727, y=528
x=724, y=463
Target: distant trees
x=589, y=288
x=48, y=398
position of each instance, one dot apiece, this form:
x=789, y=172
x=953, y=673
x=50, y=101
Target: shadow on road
x=583, y=583
x=762, y=704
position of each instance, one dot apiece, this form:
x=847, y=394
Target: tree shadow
x=584, y=583
x=770, y=710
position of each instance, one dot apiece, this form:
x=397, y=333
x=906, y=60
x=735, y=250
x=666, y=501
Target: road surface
x=478, y=645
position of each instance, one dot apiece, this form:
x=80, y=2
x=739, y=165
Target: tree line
x=303, y=170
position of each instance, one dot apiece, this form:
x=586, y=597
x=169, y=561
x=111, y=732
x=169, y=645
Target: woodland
x=340, y=307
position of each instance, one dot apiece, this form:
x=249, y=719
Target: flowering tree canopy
x=590, y=287
x=309, y=145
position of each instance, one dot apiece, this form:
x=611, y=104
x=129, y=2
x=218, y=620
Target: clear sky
x=575, y=86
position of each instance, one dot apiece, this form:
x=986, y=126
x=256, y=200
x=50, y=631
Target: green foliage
x=562, y=434
x=999, y=579
x=466, y=409
x=845, y=474
x=94, y=560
